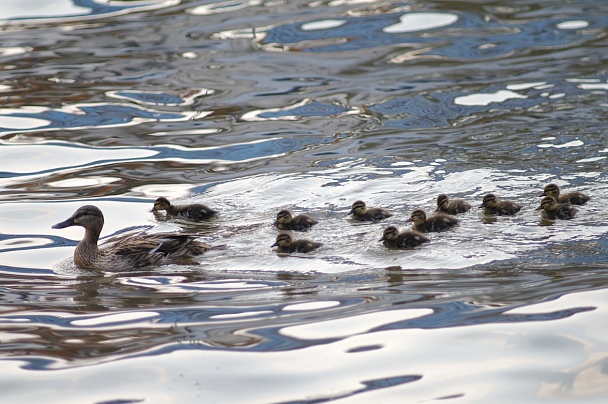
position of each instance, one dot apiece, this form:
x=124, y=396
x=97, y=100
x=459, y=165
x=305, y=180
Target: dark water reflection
x=254, y=107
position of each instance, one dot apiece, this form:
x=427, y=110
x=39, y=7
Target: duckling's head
x=418, y=217
x=358, y=208
x=87, y=216
x=390, y=233
x=442, y=200
x=489, y=201
x=547, y=203
x=551, y=190
x=282, y=240
x=283, y=217
x=161, y=203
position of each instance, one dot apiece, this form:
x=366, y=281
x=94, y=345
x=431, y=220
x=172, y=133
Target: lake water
x=252, y=107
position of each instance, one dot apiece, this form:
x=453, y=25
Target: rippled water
x=253, y=107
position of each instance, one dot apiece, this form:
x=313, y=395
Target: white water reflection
x=412, y=22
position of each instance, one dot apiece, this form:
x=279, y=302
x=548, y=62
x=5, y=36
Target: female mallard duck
x=494, y=206
x=131, y=252
x=574, y=198
x=451, y=207
x=194, y=211
x=552, y=210
x=362, y=212
x=285, y=244
x=298, y=223
x=391, y=238
x=438, y=222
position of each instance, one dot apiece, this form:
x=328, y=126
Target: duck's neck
x=86, y=251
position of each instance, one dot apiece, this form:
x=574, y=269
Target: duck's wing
x=162, y=243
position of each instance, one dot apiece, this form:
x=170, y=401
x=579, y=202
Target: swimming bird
x=494, y=206
x=552, y=210
x=131, y=252
x=193, y=211
x=391, y=238
x=298, y=223
x=362, y=212
x=574, y=197
x=453, y=206
x=285, y=244
x=438, y=222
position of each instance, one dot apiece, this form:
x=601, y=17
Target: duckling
x=552, y=210
x=131, y=252
x=298, y=223
x=285, y=244
x=194, y=211
x=493, y=206
x=363, y=213
x=451, y=207
x=438, y=222
x=391, y=238
x=574, y=198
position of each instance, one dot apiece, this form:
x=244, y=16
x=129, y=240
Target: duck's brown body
x=552, y=210
x=574, y=197
x=194, y=211
x=285, y=244
x=391, y=238
x=130, y=252
x=285, y=221
x=361, y=212
x=451, y=206
x=493, y=206
x=438, y=222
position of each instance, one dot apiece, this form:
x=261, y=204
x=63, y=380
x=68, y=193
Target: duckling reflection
x=451, y=206
x=552, y=210
x=438, y=222
x=194, y=211
x=130, y=252
x=361, y=212
x=285, y=244
x=391, y=238
x=285, y=221
x=574, y=197
x=493, y=206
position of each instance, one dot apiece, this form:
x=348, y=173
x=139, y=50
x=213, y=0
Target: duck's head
x=442, y=200
x=283, y=217
x=547, y=203
x=418, y=217
x=161, y=203
x=88, y=216
x=390, y=233
x=489, y=201
x=282, y=240
x=358, y=208
x=551, y=190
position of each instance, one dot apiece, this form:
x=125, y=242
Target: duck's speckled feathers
x=285, y=244
x=361, y=212
x=285, y=221
x=451, y=206
x=391, y=238
x=552, y=210
x=194, y=211
x=493, y=206
x=438, y=222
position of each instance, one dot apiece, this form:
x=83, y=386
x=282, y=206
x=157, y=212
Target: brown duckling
x=552, y=210
x=438, y=222
x=193, y=211
x=298, y=223
x=574, y=198
x=285, y=244
x=494, y=206
x=362, y=212
x=131, y=252
x=451, y=206
x=391, y=238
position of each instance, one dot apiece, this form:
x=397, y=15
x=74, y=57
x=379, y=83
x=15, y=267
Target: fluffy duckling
x=362, y=212
x=193, y=211
x=131, y=252
x=298, y=223
x=438, y=222
x=285, y=244
x=574, y=198
x=552, y=210
x=391, y=238
x=494, y=206
x=451, y=207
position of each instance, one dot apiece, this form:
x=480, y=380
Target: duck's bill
x=539, y=208
x=438, y=209
x=66, y=223
x=274, y=245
